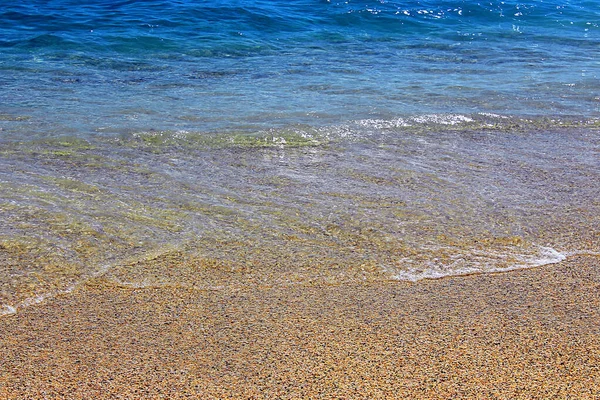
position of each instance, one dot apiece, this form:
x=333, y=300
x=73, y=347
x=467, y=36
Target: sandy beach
x=299, y=200
x=519, y=335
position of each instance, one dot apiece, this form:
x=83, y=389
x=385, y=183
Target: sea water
x=206, y=144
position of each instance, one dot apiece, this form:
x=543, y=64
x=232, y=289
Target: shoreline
x=10, y=309
x=531, y=333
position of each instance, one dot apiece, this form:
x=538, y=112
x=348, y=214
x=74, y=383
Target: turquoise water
x=312, y=140
x=108, y=67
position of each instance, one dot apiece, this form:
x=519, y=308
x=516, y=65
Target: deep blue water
x=285, y=143
x=114, y=66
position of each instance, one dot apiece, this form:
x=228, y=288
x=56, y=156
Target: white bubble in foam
x=6, y=309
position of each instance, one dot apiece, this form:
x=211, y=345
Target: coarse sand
x=527, y=334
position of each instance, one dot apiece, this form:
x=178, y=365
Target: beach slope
x=523, y=334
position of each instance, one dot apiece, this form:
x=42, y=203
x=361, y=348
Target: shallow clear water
x=192, y=144
x=106, y=68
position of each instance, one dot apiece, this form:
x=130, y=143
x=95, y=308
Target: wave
x=363, y=129
x=297, y=134
x=408, y=197
x=545, y=256
x=484, y=263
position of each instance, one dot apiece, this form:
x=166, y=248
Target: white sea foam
x=492, y=115
x=549, y=256
x=477, y=265
x=144, y=284
x=30, y=301
x=6, y=310
x=583, y=253
x=383, y=124
x=442, y=119
x=35, y=300
x=416, y=274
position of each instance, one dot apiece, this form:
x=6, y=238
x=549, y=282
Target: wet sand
x=523, y=334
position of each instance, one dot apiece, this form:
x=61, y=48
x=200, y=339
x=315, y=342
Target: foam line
x=548, y=256
x=7, y=310
x=30, y=301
